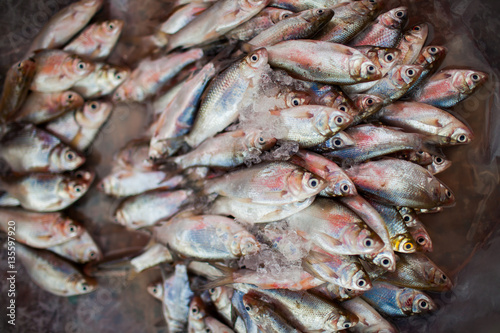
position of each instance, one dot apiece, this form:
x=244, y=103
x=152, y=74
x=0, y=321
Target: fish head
x=75, y=66
x=417, y=32
x=444, y=195
x=434, y=276
x=259, y=139
x=76, y=185
x=320, y=15
x=277, y=14
x=423, y=240
x=366, y=103
x=432, y=55
x=252, y=305
x=244, y=244
x=66, y=158
x=422, y=303
x=395, y=18
x=341, y=321
x=438, y=164
x=340, y=140
x=69, y=228
x=110, y=29
x=367, y=7
x=355, y=277
x=252, y=5
x=409, y=216
x=296, y=98
x=387, y=57
x=338, y=120
x=197, y=310
x=364, y=69
x=403, y=243
x=475, y=79
x=461, y=135
x=70, y=100
x=116, y=75
x=90, y=252
x=94, y=113
x=359, y=239
x=385, y=259
x=408, y=74
x=23, y=69
x=256, y=60
x=305, y=184
x=80, y=285
x=155, y=289
x=344, y=187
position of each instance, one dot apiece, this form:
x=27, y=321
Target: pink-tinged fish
x=42, y=107
x=97, y=41
x=300, y=5
x=412, y=42
x=367, y=106
x=40, y=230
x=338, y=141
x=58, y=70
x=421, y=237
x=65, y=24
x=102, y=81
x=430, y=59
x=182, y=16
x=216, y=326
x=81, y=249
x=152, y=74
x=369, y=319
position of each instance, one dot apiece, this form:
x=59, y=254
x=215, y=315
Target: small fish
x=134, y=155
x=197, y=314
x=54, y=274
x=102, y=81
x=430, y=58
x=81, y=249
x=58, y=70
x=213, y=325
x=47, y=192
x=412, y=42
x=207, y=237
x=97, y=41
x=335, y=292
x=42, y=107
x=65, y=24
x=80, y=127
x=40, y=230
x=155, y=289
x=421, y=237
x=177, y=296
x=396, y=302
x=243, y=318
x=367, y=106
x=300, y=5
x=409, y=216
x=267, y=17
x=221, y=297
x=182, y=16
x=338, y=141
x=148, y=208
x=337, y=63
x=153, y=255
x=369, y=319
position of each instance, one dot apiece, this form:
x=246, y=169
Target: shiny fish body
x=196, y=316
x=221, y=104
x=53, y=274
x=322, y=62
x=349, y=19
x=177, y=295
x=400, y=183
x=79, y=128
x=385, y=31
x=97, y=41
x=102, y=81
x=134, y=155
x=367, y=106
x=81, y=249
x=221, y=298
x=214, y=22
x=268, y=17
x=65, y=24
x=40, y=230
x=421, y=237
x=148, y=208
x=249, y=325
x=182, y=16
x=216, y=326
x=207, y=237
x=338, y=141
x=152, y=256
x=394, y=301
x=32, y=150
x=412, y=42
x=430, y=58
x=267, y=183
x=300, y=5
x=7, y=200
x=370, y=321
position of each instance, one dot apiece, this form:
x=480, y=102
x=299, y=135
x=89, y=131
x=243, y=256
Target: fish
x=134, y=155
x=7, y=200
x=102, y=81
x=42, y=107
x=146, y=209
x=385, y=31
x=409, y=216
x=224, y=96
x=81, y=249
x=214, y=22
x=297, y=26
x=183, y=15
x=58, y=70
x=155, y=289
x=16, y=87
x=79, y=128
x=153, y=255
x=334, y=228
x=47, y=192
x=300, y=5
x=430, y=58
x=449, y=87
x=396, y=302
x=397, y=182
x=221, y=297
x=425, y=119
x=97, y=40
x=177, y=296
x=369, y=319
x=54, y=274
x=213, y=325
x=39, y=230
x=152, y=74
x=412, y=42
x=206, y=237
x=65, y=24
x=435, y=163
x=335, y=292
x=197, y=314
x=421, y=237
x=338, y=141
x=367, y=106
x=350, y=18
x=243, y=319
x=338, y=64
x=267, y=183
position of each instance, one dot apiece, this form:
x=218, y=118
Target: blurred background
x=466, y=237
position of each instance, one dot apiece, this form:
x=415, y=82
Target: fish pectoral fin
x=330, y=239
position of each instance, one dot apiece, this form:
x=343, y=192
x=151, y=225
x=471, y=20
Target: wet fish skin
x=39, y=230
x=367, y=106
x=216, y=326
x=153, y=255
x=430, y=58
x=65, y=24
x=102, y=81
x=97, y=41
x=54, y=274
x=177, y=296
x=412, y=42
x=82, y=249
x=155, y=289
x=182, y=16
x=300, y=5
x=338, y=141
x=369, y=319
x=335, y=292
x=421, y=237
x=31, y=149
x=265, y=317
x=221, y=297
x=58, y=70
x=197, y=314
x=134, y=155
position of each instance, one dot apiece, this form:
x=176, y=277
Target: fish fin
x=330, y=239
x=317, y=258
x=275, y=112
x=226, y=278
x=247, y=47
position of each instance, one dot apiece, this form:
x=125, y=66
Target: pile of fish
x=292, y=146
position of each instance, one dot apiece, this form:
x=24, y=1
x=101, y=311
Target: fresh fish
x=267, y=183
x=40, y=230
x=154, y=254
x=430, y=59
x=370, y=321
x=197, y=314
x=148, y=208
x=398, y=183
x=268, y=17
x=339, y=183
x=338, y=141
x=300, y=5
x=80, y=127
x=239, y=309
x=349, y=19
x=16, y=86
x=207, y=237
x=224, y=96
x=265, y=317
x=425, y=119
x=214, y=22
x=395, y=302
x=449, y=87
x=367, y=106
x=48, y=192
x=386, y=31
x=416, y=270
x=409, y=216
x=54, y=274
x=335, y=292
x=335, y=228
x=160, y=103
x=421, y=237
x=412, y=42
x=177, y=296
x=58, y=70
x=182, y=16
x=298, y=26
x=102, y=81
x=81, y=249
x=337, y=63
x=97, y=41
x=152, y=74
x=134, y=155
x=65, y=24
x=177, y=117
x=213, y=325
x=42, y=107
x=221, y=297
x=155, y=289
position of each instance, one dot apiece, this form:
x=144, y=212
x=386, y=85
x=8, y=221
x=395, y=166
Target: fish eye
x=208, y=330
x=416, y=28
x=92, y=255
x=462, y=138
x=407, y=218
x=81, y=65
x=438, y=160
x=423, y=304
x=371, y=69
x=369, y=101
x=386, y=262
x=368, y=242
x=410, y=72
x=285, y=16
x=344, y=188
x=194, y=310
x=347, y=325
x=343, y=108
x=72, y=228
x=475, y=77
x=111, y=26
x=408, y=246
x=79, y=175
x=433, y=50
x=338, y=143
x=444, y=277
x=372, y=1
x=78, y=188
x=389, y=57
x=339, y=120
x=400, y=14
x=94, y=106
x=118, y=76
x=212, y=290
x=296, y=101
x=248, y=308
x=320, y=11
x=448, y=193
x=84, y=286
x=361, y=283
x=70, y=97
x=70, y=156
x=262, y=140
x=421, y=240
x=19, y=65
x=313, y=183
x=348, y=289
x=254, y=58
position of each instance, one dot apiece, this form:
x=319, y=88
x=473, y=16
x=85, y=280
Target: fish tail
x=226, y=278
